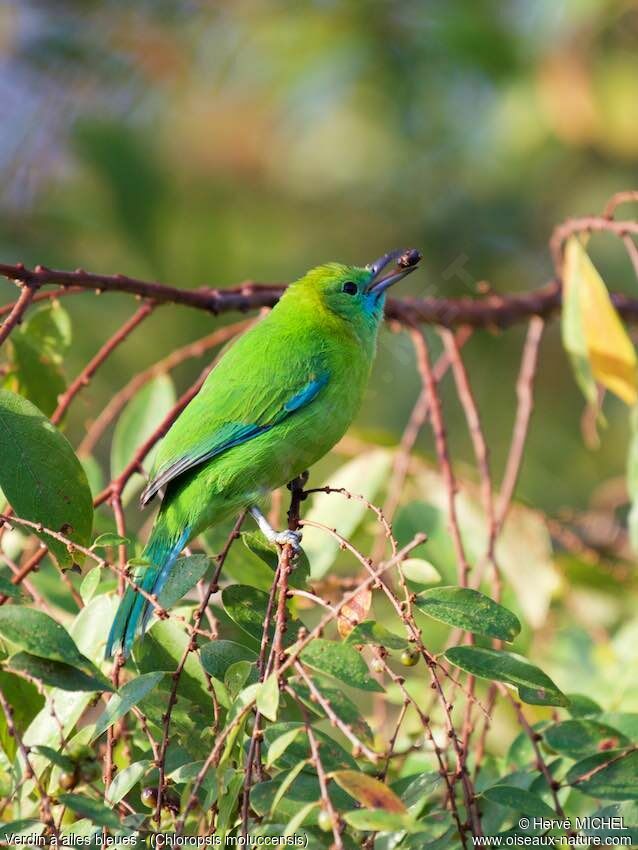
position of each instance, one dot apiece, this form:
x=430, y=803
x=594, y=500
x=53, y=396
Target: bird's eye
x=350, y=287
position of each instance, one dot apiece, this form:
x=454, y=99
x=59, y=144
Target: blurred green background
x=207, y=143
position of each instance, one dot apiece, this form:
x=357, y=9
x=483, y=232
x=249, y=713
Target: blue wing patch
x=229, y=436
x=307, y=394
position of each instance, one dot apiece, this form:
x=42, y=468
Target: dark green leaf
x=11, y=590
x=334, y=757
x=341, y=661
x=91, y=809
x=611, y=775
x=41, y=476
x=582, y=706
x=342, y=705
x=603, y=825
x=269, y=555
x=468, y=609
x=371, y=632
x=55, y=757
x=247, y=607
x=305, y=789
x=182, y=578
x=57, y=674
x=129, y=695
x=519, y=800
x=580, y=738
x=26, y=702
x=38, y=346
x=534, y=686
x=624, y=722
x=38, y=634
x=162, y=649
x=218, y=655
x=22, y=828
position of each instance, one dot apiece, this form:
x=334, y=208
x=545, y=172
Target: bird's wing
x=232, y=408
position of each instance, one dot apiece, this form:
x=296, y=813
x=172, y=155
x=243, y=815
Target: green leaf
x=371, y=632
x=519, y=800
x=612, y=775
x=304, y=790
x=281, y=744
x=580, y=738
x=91, y=809
x=125, y=780
x=129, y=695
x=269, y=555
x=286, y=783
x=468, y=609
x=421, y=571
x=109, y=538
x=25, y=701
x=218, y=655
x=369, y=792
x=247, y=607
x=55, y=757
x=57, y=674
x=182, y=578
x=23, y=828
x=334, y=757
x=603, y=825
x=162, y=649
x=376, y=820
x=293, y=825
x=267, y=698
x=138, y=421
x=342, y=705
x=8, y=589
x=41, y=476
x=582, y=706
x=38, y=346
x=341, y=661
x=39, y=635
x=534, y=686
x=90, y=584
x=364, y=476
x=240, y=675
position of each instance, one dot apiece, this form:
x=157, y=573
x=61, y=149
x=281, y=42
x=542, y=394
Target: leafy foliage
x=347, y=699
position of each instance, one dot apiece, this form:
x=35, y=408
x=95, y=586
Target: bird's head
x=357, y=293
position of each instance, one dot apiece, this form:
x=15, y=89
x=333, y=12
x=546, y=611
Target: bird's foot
x=288, y=538
x=278, y=538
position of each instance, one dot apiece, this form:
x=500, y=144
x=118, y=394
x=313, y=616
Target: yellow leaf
x=371, y=793
x=353, y=612
x=610, y=352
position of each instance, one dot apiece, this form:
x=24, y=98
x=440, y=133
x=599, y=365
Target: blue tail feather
x=135, y=610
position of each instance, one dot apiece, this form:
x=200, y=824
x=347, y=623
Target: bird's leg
x=279, y=538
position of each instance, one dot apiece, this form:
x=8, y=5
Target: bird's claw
x=289, y=538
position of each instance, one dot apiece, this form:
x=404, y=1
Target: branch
x=492, y=311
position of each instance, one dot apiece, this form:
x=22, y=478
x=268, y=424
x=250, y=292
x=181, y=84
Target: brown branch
x=94, y=364
x=167, y=364
x=492, y=311
x=17, y=312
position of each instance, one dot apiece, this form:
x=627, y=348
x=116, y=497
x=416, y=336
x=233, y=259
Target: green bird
x=278, y=400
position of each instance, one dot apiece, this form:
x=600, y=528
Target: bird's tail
x=135, y=609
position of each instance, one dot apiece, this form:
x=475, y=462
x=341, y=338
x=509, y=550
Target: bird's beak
x=402, y=263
